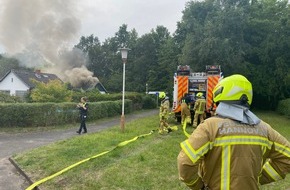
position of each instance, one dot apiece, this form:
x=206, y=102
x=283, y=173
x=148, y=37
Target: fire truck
x=191, y=83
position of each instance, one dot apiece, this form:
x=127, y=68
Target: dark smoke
x=81, y=78
x=38, y=33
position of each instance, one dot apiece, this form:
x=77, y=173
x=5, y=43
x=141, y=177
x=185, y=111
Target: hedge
x=96, y=97
x=284, y=107
x=48, y=114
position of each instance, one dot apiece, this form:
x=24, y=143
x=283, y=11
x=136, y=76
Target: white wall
x=12, y=83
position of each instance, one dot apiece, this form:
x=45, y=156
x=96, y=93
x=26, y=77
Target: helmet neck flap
x=237, y=112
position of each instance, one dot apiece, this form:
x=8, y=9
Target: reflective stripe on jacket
x=164, y=108
x=199, y=106
x=223, y=154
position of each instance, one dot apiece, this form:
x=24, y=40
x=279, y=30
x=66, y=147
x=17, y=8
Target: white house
x=18, y=82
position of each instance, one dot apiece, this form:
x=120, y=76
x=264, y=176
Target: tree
x=87, y=43
x=53, y=91
x=268, y=38
x=168, y=62
x=6, y=64
x=147, y=52
x=245, y=37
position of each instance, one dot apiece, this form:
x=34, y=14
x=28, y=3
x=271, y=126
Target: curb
x=22, y=172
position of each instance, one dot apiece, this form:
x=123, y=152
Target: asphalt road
x=11, y=179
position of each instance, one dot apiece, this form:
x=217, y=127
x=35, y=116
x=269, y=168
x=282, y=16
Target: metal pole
x=123, y=100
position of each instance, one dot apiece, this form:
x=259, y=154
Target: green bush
x=53, y=91
x=6, y=98
x=36, y=114
x=47, y=114
x=95, y=96
x=149, y=102
x=284, y=107
x=51, y=113
x=99, y=110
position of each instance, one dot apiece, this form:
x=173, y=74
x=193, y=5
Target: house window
x=11, y=79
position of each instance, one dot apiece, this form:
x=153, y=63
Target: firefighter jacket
x=199, y=106
x=224, y=154
x=185, y=110
x=164, y=108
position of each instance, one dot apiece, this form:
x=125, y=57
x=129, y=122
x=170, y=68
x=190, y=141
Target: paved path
x=11, y=144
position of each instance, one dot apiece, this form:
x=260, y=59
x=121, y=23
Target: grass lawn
x=144, y=164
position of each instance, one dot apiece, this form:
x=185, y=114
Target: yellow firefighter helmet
x=233, y=88
x=162, y=95
x=199, y=95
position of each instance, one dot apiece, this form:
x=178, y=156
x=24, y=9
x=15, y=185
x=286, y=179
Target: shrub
x=6, y=98
x=48, y=114
x=53, y=91
x=51, y=113
x=284, y=107
x=149, y=102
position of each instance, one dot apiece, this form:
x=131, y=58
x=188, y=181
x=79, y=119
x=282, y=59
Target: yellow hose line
x=31, y=187
x=184, y=129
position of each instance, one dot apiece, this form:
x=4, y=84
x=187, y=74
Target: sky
x=41, y=34
x=102, y=18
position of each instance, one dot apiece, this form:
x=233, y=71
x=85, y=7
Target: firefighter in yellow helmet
x=199, y=108
x=163, y=113
x=185, y=109
x=233, y=149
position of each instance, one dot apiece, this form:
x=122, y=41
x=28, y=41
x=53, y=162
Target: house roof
x=101, y=88
x=26, y=76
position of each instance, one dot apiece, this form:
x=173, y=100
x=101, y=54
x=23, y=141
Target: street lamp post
x=124, y=53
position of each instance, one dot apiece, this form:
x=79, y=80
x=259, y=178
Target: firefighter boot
x=173, y=128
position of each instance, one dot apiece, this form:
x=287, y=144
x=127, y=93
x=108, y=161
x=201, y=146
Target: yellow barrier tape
x=184, y=129
x=31, y=187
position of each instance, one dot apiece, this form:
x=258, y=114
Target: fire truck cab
x=191, y=83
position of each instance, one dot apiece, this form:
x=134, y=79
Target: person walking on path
x=233, y=149
x=83, y=108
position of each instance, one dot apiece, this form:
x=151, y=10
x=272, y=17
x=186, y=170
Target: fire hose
x=31, y=187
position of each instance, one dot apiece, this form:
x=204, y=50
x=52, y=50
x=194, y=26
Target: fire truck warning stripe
x=183, y=85
x=212, y=82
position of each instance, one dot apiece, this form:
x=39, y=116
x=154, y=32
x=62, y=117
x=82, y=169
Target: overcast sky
x=102, y=18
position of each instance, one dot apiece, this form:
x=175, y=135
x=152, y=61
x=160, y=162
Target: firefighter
x=199, y=108
x=185, y=109
x=163, y=113
x=233, y=149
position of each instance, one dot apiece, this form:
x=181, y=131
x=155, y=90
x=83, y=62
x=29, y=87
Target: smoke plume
x=39, y=32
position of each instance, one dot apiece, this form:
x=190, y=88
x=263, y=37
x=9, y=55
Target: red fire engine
x=189, y=82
